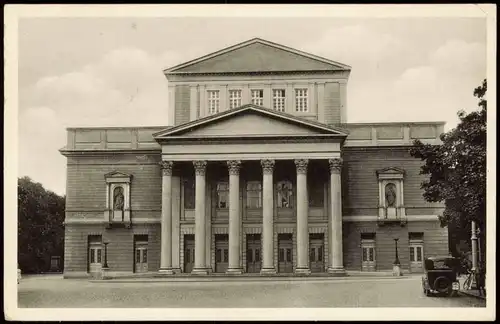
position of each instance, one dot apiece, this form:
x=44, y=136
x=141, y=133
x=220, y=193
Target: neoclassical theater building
x=257, y=172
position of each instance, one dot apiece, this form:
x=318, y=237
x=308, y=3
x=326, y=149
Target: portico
x=289, y=141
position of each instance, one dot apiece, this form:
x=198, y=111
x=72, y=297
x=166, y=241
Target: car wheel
x=427, y=292
x=443, y=286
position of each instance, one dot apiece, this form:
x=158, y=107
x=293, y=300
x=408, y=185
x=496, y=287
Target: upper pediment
x=117, y=176
x=390, y=173
x=250, y=121
x=257, y=55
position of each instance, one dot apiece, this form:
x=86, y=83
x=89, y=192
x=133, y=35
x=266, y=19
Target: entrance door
x=95, y=257
x=188, y=253
x=253, y=253
x=141, y=257
x=221, y=252
x=285, y=259
x=316, y=255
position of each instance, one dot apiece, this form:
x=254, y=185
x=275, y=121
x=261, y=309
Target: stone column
x=200, y=266
x=302, y=213
x=166, y=219
x=234, y=266
x=267, y=217
x=336, y=265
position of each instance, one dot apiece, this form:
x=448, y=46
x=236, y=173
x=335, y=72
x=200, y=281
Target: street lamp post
x=105, y=267
x=396, y=268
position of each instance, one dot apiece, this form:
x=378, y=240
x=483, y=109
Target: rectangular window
x=218, y=255
x=368, y=254
x=249, y=255
x=258, y=97
x=416, y=247
x=368, y=248
x=254, y=194
x=257, y=255
x=213, y=101
x=289, y=255
x=320, y=254
x=226, y=255
x=223, y=195
x=92, y=255
x=316, y=193
x=279, y=99
x=312, y=256
x=137, y=256
x=281, y=256
x=301, y=100
x=234, y=98
x=145, y=256
x=189, y=194
x=99, y=252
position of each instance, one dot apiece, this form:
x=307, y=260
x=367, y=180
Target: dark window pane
x=365, y=254
x=281, y=256
x=412, y=254
x=188, y=255
x=92, y=255
x=189, y=194
x=226, y=255
x=312, y=255
x=419, y=253
x=257, y=255
x=218, y=255
x=137, y=256
x=192, y=255
x=320, y=254
x=249, y=256
x=289, y=255
x=99, y=251
x=145, y=256
x=372, y=254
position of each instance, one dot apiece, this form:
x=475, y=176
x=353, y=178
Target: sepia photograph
x=321, y=162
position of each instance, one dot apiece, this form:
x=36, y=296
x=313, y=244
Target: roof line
x=248, y=42
x=268, y=111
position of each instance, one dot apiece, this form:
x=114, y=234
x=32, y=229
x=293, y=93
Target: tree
x=457, y=173
x=40, y=226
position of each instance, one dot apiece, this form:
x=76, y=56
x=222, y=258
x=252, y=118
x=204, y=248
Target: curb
x=240, y=280
x=471, y=295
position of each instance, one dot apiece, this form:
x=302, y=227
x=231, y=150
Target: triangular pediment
x=257, y=55
x=117, y=174
x=250, y=121
x=390, y=173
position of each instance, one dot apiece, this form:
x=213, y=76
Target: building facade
x=259, y=172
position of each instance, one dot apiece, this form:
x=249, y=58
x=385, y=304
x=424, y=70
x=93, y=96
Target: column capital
x=166, y=167
x=335, y=165
x=234, y=167
x=267, y=166
x=301, y=165
x=200, y=167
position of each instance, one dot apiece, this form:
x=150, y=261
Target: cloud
x=126, y=87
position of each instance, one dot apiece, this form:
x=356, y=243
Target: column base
x=268, y=271
x=200, y=271
x=337, y=272
x=166, y=271
x=177, y=270
x=302, y=271
x=234, y=271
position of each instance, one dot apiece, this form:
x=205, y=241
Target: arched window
x=285, y=194
x=254, y=194
x=222, y=195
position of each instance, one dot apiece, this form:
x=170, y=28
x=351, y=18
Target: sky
x=108, y=71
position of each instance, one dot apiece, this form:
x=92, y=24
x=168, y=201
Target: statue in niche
x=390, y=195
x=118, y=198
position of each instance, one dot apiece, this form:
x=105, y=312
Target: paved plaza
x=55, y=292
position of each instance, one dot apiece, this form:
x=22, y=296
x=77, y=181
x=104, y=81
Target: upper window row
x=257, y=98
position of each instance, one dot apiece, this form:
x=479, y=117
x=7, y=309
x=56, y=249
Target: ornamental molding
x=167, y=167
x=335, y=165
x=234, y=167
x=200, y=167
x=267, y=166
x=301, y=165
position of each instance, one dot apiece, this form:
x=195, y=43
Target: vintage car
x=440, y=276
